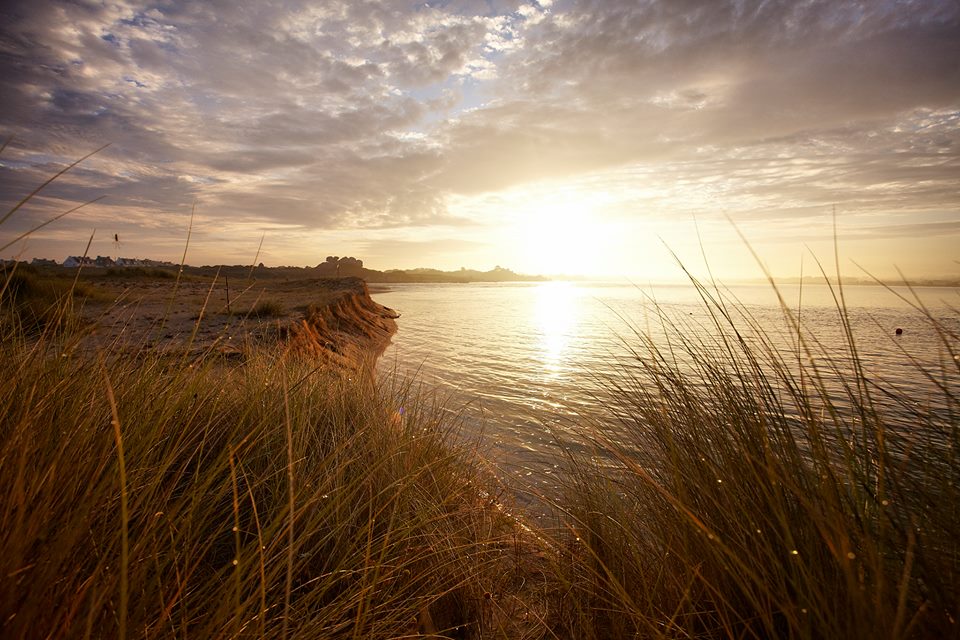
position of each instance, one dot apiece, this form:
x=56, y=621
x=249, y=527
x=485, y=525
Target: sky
x=608, y=138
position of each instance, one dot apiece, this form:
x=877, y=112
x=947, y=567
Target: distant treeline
x=333, y=266
x=350, y=266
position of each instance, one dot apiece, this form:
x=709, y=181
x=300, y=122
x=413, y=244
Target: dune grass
x=733, y=490
x=738, y=489
x=33, y=300
x=268, y=309
x=151, y=497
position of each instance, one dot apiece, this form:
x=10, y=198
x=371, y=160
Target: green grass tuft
x=268, y=309
x=33, y=301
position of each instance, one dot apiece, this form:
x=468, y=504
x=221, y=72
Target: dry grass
x=34, y=301
x=165, y=498
x=740, y=491
x=268, y=309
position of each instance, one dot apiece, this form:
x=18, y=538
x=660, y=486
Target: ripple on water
x=529, y=359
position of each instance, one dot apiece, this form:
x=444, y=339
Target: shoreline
x=331, y=319
x=351, y=331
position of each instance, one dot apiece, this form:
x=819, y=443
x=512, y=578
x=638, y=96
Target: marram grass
x=148, y=497
x=736, y=490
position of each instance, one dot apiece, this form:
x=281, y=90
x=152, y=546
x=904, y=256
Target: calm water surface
x=527, y=360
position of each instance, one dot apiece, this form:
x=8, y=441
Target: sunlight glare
x=564, y=237
x=555, y=317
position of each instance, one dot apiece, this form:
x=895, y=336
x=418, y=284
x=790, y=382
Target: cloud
x=274, y=112
x=369, y=114
x=619, y=83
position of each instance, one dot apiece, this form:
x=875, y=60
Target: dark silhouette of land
x=350, y=266
x=332, y=267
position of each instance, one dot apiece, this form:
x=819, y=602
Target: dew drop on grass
x=235, y=562
x=794, y=553
x=851, y=555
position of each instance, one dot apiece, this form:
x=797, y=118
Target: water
x=526, y=362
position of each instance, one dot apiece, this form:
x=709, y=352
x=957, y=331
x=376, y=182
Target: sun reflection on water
x=554, y=317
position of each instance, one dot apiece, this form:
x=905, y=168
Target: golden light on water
x=555, y=313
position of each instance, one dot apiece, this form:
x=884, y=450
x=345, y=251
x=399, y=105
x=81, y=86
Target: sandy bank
x=350, y=330
x=331, y=319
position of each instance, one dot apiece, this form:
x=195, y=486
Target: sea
x=523, y=366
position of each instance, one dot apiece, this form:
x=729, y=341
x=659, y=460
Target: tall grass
x=209, y=500
x=739, y=489
x=33, y=301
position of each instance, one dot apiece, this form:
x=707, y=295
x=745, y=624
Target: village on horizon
x=99, y=261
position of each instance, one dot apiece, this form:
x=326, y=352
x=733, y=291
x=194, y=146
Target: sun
x=563, y=238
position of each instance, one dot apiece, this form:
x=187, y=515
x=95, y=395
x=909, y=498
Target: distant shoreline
x=463, y=276
x=323, y=270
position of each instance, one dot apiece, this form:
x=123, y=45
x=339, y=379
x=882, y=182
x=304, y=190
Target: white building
x=76, y=261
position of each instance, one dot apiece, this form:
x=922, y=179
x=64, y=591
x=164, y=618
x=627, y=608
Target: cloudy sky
x=577, y=136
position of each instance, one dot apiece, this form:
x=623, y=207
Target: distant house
x=129, y=262
x=78, y=261
x=43, y=262
x=104, y=261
